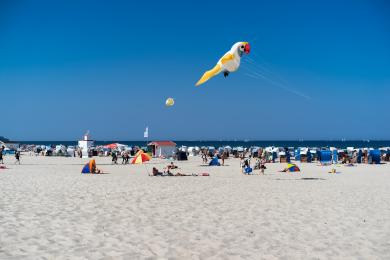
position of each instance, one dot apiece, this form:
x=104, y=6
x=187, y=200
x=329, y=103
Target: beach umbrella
x=111, y=146
x=141, y=157
x=292, y=168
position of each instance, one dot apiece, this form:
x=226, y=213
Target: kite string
x=257, y=72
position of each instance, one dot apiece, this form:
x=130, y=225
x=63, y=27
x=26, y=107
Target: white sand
x=49, y=210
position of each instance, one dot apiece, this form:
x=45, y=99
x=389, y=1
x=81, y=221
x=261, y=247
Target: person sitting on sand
x=95, y=169
x=172, y=166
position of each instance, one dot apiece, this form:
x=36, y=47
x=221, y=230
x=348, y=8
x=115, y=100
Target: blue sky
x=317, y=69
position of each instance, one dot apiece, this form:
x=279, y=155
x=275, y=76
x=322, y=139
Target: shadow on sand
x=302, y=179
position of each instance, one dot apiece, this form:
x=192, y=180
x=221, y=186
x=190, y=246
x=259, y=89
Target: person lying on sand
x=181, y=174
x=156, y=172
x=194, y=174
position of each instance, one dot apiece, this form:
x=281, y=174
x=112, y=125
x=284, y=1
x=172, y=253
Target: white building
x=85, y=144
x=164, y=149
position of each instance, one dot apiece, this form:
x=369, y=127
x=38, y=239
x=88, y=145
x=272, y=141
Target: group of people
x=125, y=155
x=167, y=171
x=17, y=155
x=245, y=164
x=223, y=156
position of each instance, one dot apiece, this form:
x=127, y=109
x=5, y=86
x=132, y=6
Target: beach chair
x=297, y=154
x=325, y=157
x=309, y=156
x=374, y=157
x=335, y=157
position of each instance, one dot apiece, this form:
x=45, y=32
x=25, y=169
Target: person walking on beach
x=223, y=157
x=17, y=157
x=127, y=158
x=114, y=157
x=123, y=154
x=204, y=156
x=262, y=165
x=1, y=154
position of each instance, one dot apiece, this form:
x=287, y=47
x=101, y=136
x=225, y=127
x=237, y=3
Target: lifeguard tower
x=85, y=144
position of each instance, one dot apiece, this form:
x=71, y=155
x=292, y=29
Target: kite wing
x=226, y=58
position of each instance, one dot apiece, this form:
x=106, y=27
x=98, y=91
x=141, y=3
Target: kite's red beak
x=247, y=48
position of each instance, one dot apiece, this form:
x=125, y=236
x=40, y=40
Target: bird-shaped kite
x=228, y=63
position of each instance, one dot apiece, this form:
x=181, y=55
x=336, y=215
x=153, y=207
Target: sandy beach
x=48, y=210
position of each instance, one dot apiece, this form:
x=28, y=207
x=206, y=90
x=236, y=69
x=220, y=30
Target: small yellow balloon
x=169, y=102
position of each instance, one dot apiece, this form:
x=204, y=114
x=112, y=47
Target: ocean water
x=287, y=143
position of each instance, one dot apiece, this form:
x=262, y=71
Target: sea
x=341, y=144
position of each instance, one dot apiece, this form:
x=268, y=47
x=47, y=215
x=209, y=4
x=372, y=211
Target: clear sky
x=317, y=69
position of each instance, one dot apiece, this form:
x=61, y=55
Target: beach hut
x=162, y=148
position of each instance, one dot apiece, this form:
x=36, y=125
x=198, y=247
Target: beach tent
x=140, y=157
x=374, y=157
x=325, y=157
x=214, y=162
x=89, y=167
x=292, y=168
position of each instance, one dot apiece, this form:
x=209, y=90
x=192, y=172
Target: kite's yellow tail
x=209, y=74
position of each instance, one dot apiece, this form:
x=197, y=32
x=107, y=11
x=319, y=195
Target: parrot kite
x=228, y=63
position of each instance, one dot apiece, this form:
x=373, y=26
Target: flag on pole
x=146, y=133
